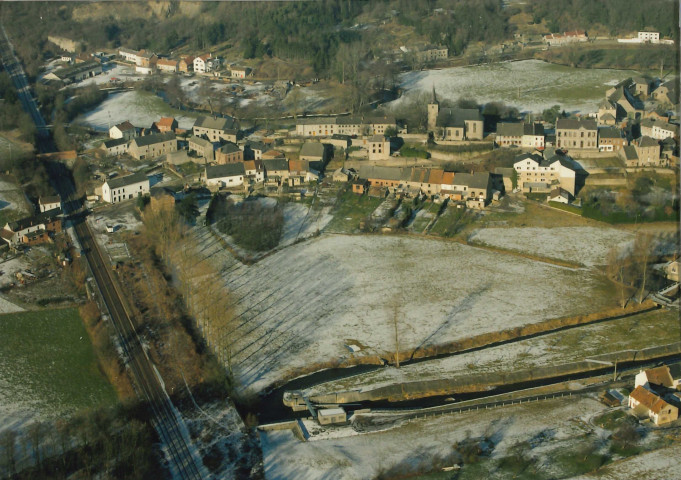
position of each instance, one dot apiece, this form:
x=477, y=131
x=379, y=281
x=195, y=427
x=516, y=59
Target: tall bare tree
x=644, y=244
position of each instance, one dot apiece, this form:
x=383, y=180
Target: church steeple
x=433, y=110
x=433, y=100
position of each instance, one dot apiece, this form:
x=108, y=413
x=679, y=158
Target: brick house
x=229, y=153
x=611, y=139
x=186, y=64
x=35, y=229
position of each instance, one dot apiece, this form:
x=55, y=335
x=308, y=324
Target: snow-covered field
x=301, y=305
x=13, y=198
x=300, y=221
x=586, y=245
x=123, y=73
x=530, y=85
x=662, y=463
x=140, y=108
x=362, y=457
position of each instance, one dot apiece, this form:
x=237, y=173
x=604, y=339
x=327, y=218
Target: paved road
x=184, y=461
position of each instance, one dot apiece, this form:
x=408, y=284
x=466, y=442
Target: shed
x=331, y=416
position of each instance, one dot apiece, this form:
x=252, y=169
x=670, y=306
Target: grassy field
x=48, y=366
x=425, y=216
x=350, y=210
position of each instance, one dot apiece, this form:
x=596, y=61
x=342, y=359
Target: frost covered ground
x=364, y=456
x=12, y=199
x=662, y=463
x=586, y=245
x=530, y=85
x=302, y=304
x=639, y=331
x=301, y=221
x=140, y=108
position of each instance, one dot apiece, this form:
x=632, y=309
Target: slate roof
x=610, y=132
x=275, y=164
x=630, y=153
x=575, y=124
x=215, y=123
x=153, y=138
x=646, y=141
x=226, y=170
x=258, y=146
x=397, y=174
x=26, y=222
x=115, y=142
x=316, y=121
x=520, y=129
x=200, y=141
x=127, y=180
x=607, y=105
x=377, y=138
x=125, y=126
x=312, y=149
x=48, y=200
x=229, y=148
x=455, y=117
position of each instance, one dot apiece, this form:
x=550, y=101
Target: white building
x=652, y=37
x=539, y=174
x=49, y=203
x=227, y=175
x=124, y=130
x=205, y=63
x=125, y=188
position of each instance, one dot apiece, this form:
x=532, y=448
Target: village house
x=46, y=204
x=237, y=72
x=216, y=128
x=125, y=130
x=300, y=172
x=205, y=63
x=426, y=180
x=541, y=174
x=115, y=147
x=653, y=378
x=186, y=64
x=33, y=230
x=339, y=141
x=228, y=175
x=611, y=139
x=672, y=273
x=430, y=53
x=648, y=151
x=273, y=154
x=473, y=188
x=254, y=150
x=153, y=145
x=254, y=170
x=667, y=93
x=652, y=37
x=647, y=404
x=312, y=152
x=203, y=148
x=559, y=195
x=566, y=37
x=526, y=135
x=166, y=65
x=229, y=153
x=629, y=155
x=642, y=86
x=346, y=125
x=340, y=175
x=360, y=186
x=165, y=125
x=276, y=170
x=125, y=188
x=128, y=54
x=146, y=59
x=627, y=105
x=607, y=113
x=573, y=133
x=387, y=177
x=378, y=147
x=658, y=129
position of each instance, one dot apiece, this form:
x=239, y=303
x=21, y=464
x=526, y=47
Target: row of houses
x=273, y=172
x=36, y=229
x=344, y=125
x=476, y=189
x=147, y=62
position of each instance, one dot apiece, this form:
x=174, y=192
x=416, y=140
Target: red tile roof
x=660, y=376
x=648, y=399
x=166, y=122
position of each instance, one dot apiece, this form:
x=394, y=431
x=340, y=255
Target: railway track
x=181, y=460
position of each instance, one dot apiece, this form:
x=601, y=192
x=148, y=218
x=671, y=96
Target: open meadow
x=47, y=367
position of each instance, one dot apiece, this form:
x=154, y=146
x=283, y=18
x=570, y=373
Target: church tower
x=433, y=109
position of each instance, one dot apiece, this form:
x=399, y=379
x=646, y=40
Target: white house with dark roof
x=49, y=203
x=227, y=175
x=119, y=189
x=526, y=135
x=116, y=146
x=124, y=130
x=541, y=174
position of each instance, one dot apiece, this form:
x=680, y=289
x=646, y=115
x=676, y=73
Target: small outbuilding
x=330, y=416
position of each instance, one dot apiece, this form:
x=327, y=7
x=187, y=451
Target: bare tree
x=615, y=270
x=643, y=248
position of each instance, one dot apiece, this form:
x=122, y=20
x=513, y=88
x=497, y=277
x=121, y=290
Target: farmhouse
x=46, y=204
x=229, y=153
x=541, y=175
x=653, y=378
x=216, y=128
x=228, y=175
x=573, y=133
x=205, y=63
x=391, y=177
x=76, y=73
x=426, y=180
x=475, y=188
x=32, y=230
x=165, y=125
x=313, y=151
x=528, y=135
x=611, y=139
x=378, y=147
x=128, y=54
x=237, y=72
x=166, y=65
x=204, y=148
x=146, y=59
x=124, y=130
x=276, y=169
x=186, y=64
x=124, y=188
x=255, y=170
x=116, y=146
x=566, y=37
x=152, y=145
x=646, y=403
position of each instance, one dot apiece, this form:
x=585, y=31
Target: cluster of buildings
x=148, y=62
x=646, y=37
x=37, y=228
x=657, y=394
x=557, y=39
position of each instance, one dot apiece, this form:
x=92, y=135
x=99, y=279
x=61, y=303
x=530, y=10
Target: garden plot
x=639, y=331
x=297, y=306
x=140, y=108
x=406, y=446
x=530, y=85
x=585, y=245
x=301, y=221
